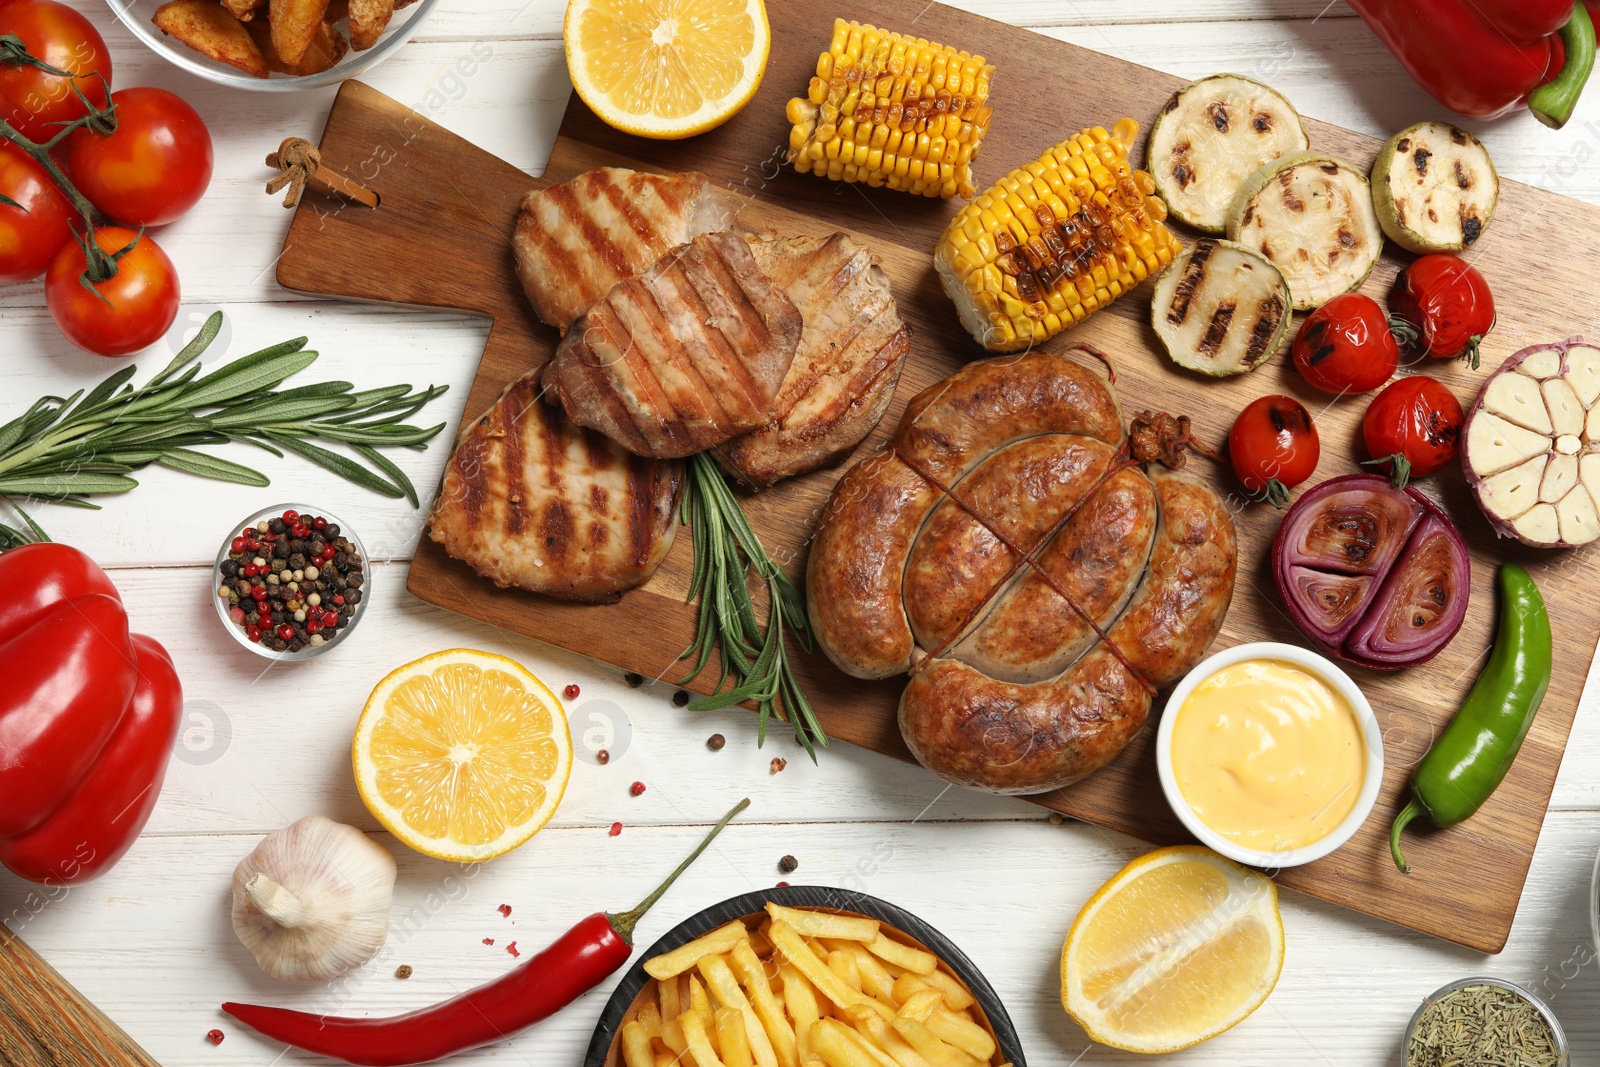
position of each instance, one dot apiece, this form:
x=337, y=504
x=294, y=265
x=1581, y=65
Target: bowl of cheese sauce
x=1270, y=754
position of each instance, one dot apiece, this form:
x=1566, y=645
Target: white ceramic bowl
x=1329, y=672
x=135, y=14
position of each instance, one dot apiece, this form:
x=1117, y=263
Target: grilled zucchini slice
x=1434, y=188
x=1211, y=136
x=1312, y=216
x=1221, y=308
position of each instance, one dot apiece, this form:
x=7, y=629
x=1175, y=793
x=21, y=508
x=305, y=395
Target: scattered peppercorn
x=281, y=600
x=214, y=1036
x=715, y=742
x=602, y=757
x=778, y=763
x=504, y=910
x=1056, y=818
x=512, y=948
x=636, y=789
x=488, y=941
x=403, y=971
x=571, y=691
x=616, y=829
x=633, y=680
x=681, y=697
x=788, y=864
x=782, y=884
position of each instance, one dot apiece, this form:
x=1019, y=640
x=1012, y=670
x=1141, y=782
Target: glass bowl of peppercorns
x=289, y=581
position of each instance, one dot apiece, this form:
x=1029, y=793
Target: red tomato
x=34, y=101
x=1345, y=346
x=140, y=303
x=31, y=234
x=1274, y=447
x=1446, y=304
x=153, y=168
x=1412, y=427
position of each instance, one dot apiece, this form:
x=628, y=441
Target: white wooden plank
x=152, y=944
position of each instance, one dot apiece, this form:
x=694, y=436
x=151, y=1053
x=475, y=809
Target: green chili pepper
x=1472, y=756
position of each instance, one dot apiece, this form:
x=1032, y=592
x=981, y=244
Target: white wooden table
x=151, y=942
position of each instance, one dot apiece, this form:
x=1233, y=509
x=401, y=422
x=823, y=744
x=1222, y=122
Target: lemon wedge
x=666, y=68
x=463, y=755
x=1177, y=947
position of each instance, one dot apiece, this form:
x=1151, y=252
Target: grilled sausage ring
x=1038, y=583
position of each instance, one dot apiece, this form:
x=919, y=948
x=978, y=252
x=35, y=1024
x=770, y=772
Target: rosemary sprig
x=725, y=550
x=65, y=449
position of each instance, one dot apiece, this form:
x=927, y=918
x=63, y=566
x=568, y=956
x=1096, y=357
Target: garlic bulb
x=312, y=901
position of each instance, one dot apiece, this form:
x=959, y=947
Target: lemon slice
x=1177, y=947
x=463, y=755
x=666, y=68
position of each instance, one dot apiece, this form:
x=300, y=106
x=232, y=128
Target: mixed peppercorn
x=291, y=582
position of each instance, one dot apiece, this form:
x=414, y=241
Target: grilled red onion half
x=1373, y=575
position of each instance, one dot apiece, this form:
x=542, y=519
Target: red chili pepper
x=88, y=714
x=1484, y=58
x=536, y=989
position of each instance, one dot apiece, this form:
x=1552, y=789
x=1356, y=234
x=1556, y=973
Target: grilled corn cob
x=1054, y=241
x=892, y=110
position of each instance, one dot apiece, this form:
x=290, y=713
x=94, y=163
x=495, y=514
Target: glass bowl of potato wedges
x=804, y=976
x=274, y=45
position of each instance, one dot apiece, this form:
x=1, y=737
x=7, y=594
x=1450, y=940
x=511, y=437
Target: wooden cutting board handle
x=45, y=1022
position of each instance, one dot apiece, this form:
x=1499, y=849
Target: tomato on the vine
x=1412, y=428
x=1345, y=346
x=1273, y=447
x=124, y=313
x=37, y=222
x=35, y=101
x=153, y=168
x=1442, y=307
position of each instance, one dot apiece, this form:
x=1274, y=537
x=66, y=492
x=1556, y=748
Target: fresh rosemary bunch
x=725, y=549
x=65, y=449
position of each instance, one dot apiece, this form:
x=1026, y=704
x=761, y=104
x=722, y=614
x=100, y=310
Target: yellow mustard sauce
x=1268, y=755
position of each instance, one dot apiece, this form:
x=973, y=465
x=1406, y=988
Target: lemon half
x=1178, y=946
x=666, y=68
x=463, y=755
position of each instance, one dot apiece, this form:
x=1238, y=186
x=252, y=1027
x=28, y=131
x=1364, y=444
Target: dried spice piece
x=636, y=789
x=488, y=941
x=681, y=698
x=1481, y=1024
x=715, y=742
x=512, y=948
x=788, y=864
x=632, y=680
x=571, y=692
x=778, y=763
x=616, y=829
x=214, y=1036
x=602, y=757
x=504, y=910
x=1056, y=818
x=403, y=971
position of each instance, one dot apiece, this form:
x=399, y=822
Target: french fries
x=803, y=989
x=262, y=37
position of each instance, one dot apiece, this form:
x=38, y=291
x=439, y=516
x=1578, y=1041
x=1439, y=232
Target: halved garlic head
x=1531, y=446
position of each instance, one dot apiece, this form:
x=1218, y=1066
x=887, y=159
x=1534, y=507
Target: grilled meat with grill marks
x=843, y=376
x=575, y=241
x=683, y=357
x=534, y=501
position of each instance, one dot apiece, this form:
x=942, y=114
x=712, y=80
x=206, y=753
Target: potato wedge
x=368, y=20
x=685, y=956
x=206, y=27
x=295, y=24
x=244, y=10
x=328, y=46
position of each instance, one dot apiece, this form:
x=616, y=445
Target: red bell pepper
x=88, y=715
x=1485, y=58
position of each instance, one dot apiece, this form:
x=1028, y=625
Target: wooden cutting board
x=440, y=238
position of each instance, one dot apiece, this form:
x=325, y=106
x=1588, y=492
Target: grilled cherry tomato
x=1274, y=447
x=153, y=168
x=1412, y=427
x=124, y=313
x=30, y=233
x=1345, y=346
x=34, y=101
x=1442, y=307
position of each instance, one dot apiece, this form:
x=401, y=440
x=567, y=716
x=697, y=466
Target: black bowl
x=807, y=896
